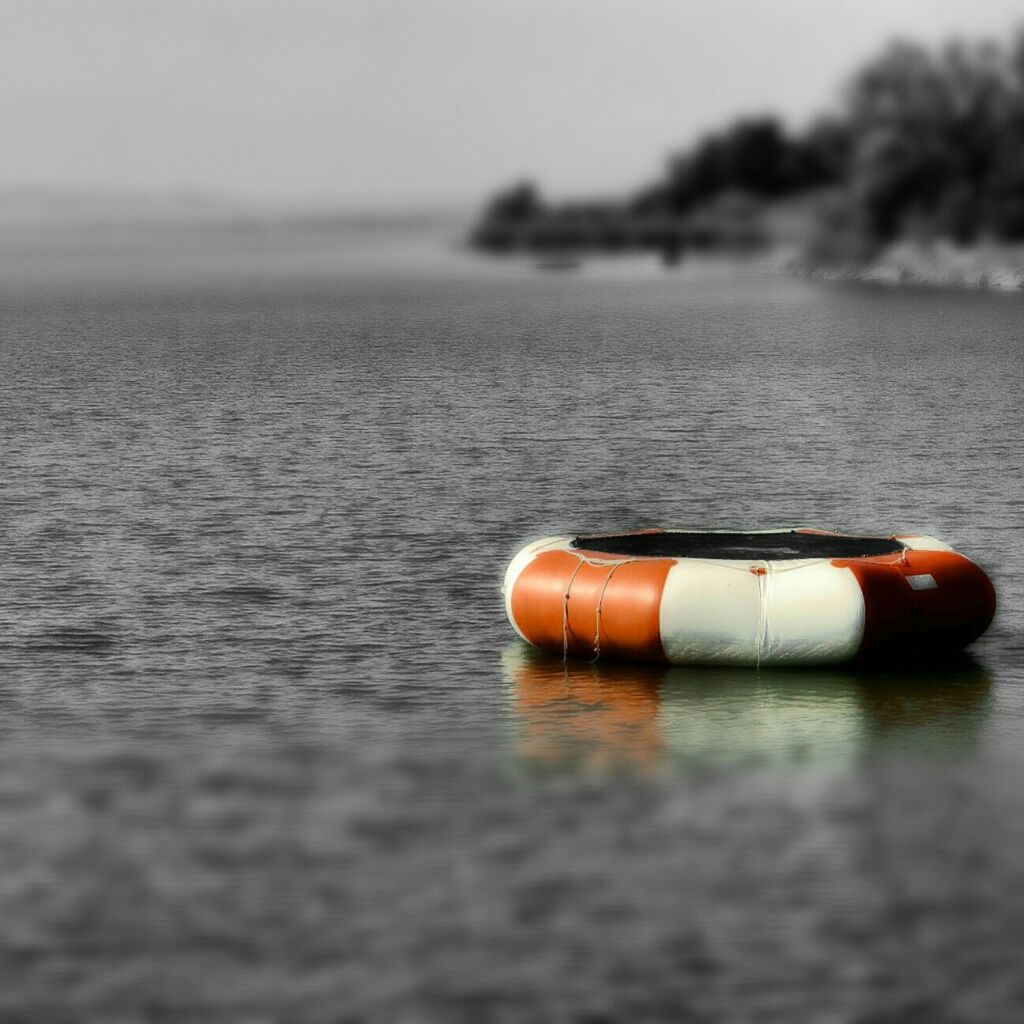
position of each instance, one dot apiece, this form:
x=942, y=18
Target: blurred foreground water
x=269, y=750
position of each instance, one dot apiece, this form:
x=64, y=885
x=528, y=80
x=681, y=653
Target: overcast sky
x=384, y=103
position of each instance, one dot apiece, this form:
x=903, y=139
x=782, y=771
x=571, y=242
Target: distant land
x=916, y=176
x=41, y=206
x=59, y=238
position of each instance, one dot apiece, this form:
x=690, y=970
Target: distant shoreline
x=933, y=265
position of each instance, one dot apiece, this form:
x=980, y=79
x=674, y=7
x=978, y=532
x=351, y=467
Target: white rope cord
x=903, y=554
x=599, y=563
x=743, y=566
x=600, y=603
x=774, y=568
x=761, y=612
x=565, y=611
x=604, y=561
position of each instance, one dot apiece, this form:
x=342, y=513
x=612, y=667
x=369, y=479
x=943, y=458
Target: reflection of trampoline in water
x=608, y=716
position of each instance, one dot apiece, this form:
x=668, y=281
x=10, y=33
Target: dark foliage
x=924, y=143
x=755, y=157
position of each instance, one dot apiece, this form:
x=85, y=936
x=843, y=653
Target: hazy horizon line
x=48, y=201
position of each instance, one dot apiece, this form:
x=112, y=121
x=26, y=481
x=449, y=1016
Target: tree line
x=922, y=143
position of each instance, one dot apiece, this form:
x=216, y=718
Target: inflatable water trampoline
x=778, y=597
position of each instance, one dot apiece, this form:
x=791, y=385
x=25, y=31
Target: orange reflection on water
x=594, y=716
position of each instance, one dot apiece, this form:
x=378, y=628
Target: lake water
x=269, y=750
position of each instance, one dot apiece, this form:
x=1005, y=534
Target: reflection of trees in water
x=607, y=716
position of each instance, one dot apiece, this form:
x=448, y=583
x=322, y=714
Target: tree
x=519, y=203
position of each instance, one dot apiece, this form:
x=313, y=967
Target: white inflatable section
x=710, y=612
x=797, y=611
x=815, y=614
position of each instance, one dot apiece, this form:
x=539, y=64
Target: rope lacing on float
x=565, y=610
x=600, y=603
x=761, y=572
x=906, y=548
x=601, y=563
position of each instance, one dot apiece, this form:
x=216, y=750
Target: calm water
x=269, y=750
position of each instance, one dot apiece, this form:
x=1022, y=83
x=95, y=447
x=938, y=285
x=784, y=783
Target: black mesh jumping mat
x=754, y=546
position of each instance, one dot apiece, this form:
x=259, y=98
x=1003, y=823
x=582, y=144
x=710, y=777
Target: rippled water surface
x=269, y=750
